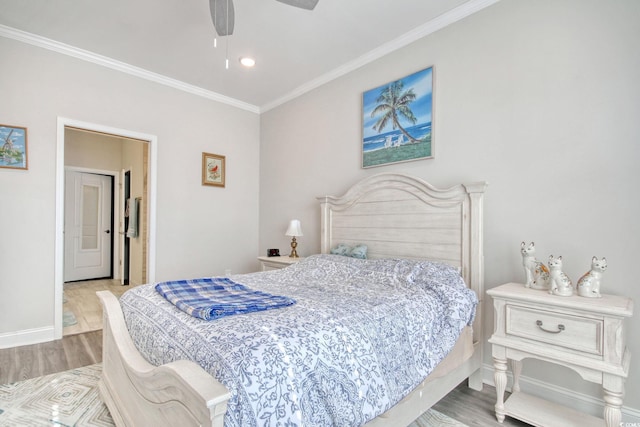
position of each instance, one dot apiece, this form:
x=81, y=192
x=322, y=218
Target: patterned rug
x=71, y=398
x=68, y=319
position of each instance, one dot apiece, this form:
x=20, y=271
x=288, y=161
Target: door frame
x=115, y=209
x=152, y=148
x=125, y=266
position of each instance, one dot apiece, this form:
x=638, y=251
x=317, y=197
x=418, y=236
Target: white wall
x=201, y=230
x=92, y=150
x=539, y=98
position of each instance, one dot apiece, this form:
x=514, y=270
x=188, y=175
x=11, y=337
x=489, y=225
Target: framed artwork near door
x=213, y=169
x=13, y=147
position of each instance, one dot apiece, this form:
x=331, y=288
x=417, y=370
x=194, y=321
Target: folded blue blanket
x=212, y=298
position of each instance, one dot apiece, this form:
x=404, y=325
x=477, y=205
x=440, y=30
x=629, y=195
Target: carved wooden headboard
x=400, y=216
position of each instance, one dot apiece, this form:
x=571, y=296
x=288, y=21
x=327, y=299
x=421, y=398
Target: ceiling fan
x=222, y=13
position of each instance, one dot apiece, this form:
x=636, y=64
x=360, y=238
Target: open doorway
x=92, y=159
x=105, y=227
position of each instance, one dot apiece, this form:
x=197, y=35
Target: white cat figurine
x=589, y=284
x=559, y=283
x=536, y=272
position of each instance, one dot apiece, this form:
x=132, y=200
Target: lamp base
x=294, y=244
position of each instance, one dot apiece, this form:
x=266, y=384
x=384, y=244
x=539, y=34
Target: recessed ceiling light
x=247, y=62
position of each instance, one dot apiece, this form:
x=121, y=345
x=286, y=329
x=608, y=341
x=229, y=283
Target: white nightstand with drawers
x=276, y=262
x=584, y=334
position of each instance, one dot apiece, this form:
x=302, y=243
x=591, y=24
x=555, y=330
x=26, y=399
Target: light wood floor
x=82, y=301
x=30, y=361
x=473, y=408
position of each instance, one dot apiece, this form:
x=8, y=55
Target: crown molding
x=430, y=27
x=417, y=33
x=104, y=61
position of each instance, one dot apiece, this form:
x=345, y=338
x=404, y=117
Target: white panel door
x=87, y=231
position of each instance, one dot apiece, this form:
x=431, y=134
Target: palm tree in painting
x=393, y=103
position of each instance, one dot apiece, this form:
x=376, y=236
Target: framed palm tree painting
x=397, y=120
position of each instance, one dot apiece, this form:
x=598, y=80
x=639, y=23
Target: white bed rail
x=178, y=393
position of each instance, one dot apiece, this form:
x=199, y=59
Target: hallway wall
x=201, y=230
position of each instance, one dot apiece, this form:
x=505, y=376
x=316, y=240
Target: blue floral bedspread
x=361, y=336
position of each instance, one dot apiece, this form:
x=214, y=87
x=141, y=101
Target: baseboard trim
x=27, y=337
x=570, y=398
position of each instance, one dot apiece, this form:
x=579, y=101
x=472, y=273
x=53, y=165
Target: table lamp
x=294, y=231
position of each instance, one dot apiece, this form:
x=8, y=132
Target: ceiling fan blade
x=222, y=15
x=303, y=4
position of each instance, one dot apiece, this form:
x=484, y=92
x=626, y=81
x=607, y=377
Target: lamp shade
x=294, y=228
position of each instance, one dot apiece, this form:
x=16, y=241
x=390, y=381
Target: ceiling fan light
x=303, y=4
x=247, y=62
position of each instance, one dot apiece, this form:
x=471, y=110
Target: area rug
x=71, y=399
x=68, y=319
x=67, y=398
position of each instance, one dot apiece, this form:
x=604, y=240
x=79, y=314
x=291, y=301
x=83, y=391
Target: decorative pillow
x=359, y=251
x=341, y=249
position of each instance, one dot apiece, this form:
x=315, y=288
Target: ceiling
x=295, y=50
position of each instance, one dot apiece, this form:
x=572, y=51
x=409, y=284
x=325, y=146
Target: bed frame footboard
x=140, y=394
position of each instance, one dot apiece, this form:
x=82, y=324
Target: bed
x=402, y=220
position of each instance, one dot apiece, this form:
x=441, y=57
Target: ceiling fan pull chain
x=215, y=12
x=227, y=52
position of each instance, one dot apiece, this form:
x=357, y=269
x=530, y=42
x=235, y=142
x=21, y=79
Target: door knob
x=107, y=231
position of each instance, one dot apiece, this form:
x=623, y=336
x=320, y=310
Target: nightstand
x=583, y=334
x=276, y=262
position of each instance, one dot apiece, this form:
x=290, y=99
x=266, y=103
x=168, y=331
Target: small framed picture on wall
x=213, y=169
x=13, y=147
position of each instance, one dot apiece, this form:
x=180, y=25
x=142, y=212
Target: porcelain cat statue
x=536, y=272
x=559, y=283
x=589, y=284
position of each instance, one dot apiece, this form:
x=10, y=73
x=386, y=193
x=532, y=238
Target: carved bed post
x=476, y=267
x=325, y=225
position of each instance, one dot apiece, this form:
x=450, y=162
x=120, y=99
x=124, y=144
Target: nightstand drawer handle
x=560, y=327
